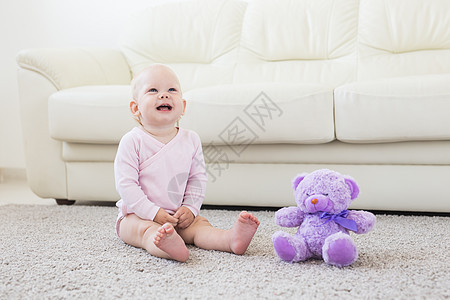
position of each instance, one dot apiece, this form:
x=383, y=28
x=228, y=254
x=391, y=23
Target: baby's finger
x=183, y=224
x=180, y=222
x=172, y=219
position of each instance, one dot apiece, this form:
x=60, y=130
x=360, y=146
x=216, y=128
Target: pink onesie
x=150, y=174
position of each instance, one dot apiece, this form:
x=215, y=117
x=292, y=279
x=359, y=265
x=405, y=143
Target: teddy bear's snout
x=316, y=203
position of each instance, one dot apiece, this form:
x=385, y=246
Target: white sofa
x=274, y=88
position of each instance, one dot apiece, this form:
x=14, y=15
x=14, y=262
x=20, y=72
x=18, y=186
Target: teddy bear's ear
x=297, y=180
x=354, y=189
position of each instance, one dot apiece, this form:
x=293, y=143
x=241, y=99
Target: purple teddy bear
x=322, y=197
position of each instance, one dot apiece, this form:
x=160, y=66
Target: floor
x=16, y=191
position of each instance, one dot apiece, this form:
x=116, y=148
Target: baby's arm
x=196, y=184
x=126, y=171
x=364, y=220
x=289, y=217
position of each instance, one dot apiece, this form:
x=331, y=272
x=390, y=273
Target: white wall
x=42, y=24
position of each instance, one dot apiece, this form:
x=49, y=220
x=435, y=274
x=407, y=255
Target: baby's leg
x=235, y=240
x=160, y=241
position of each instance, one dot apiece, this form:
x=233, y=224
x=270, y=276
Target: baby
x=161, y=178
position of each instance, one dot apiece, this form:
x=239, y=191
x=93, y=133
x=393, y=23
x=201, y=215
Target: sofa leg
x=65, y=201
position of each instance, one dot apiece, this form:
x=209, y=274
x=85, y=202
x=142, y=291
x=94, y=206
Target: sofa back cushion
x=329, y=42
x=187, y=36
x=209, y=42
x=403, y=37
x=301, y=41
x=276, y=30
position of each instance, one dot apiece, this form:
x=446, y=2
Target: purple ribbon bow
x=341, y=219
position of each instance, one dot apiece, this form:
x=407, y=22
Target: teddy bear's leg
x=290, y=248
x=339, y=250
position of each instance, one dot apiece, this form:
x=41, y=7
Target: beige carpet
x=59, y=252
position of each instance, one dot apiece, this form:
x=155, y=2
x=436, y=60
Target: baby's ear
x=298, y=179
x=134, y=108
x=184, y=106
x=354, y=189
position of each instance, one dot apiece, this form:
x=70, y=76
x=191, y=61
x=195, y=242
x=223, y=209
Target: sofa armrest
x=72, y=67
x=41, y=73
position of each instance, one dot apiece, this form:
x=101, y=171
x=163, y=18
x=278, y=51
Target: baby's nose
x=163, y=96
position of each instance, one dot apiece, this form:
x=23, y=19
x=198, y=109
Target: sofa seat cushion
x=261, y=113
x=414, y=108
x=91, y=114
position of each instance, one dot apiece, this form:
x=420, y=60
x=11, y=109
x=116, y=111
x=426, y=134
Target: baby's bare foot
x=170, y=242
x=242, y=232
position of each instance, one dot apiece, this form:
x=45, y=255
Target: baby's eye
x=172, y=90
x=153, y=90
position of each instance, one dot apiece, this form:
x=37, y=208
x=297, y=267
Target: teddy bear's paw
x=289, y=248
x=339, y=250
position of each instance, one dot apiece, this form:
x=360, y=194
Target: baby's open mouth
x=166, y=107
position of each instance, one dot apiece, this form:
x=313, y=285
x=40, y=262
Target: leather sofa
x=273, y=88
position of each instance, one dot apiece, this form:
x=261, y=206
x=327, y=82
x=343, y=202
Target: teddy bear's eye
x=309, y=195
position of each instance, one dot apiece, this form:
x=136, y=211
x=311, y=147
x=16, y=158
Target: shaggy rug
x=70, y=252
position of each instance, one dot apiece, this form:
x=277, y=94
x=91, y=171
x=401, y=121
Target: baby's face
x=157, y=97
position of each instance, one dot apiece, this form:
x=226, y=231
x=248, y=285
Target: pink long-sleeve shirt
x=151, y=175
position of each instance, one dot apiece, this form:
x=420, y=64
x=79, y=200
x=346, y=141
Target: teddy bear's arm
x=289, y=217
x=364, y=220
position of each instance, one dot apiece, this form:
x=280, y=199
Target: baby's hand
x=185, y=217
x=163, y=217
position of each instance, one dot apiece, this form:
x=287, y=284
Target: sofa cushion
x=306, y=41
x=238, y=115
x=202, y=32
x=90, y=114
x=243, y=114
x=403, y=38
x=277, y=30
x=411, y=108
